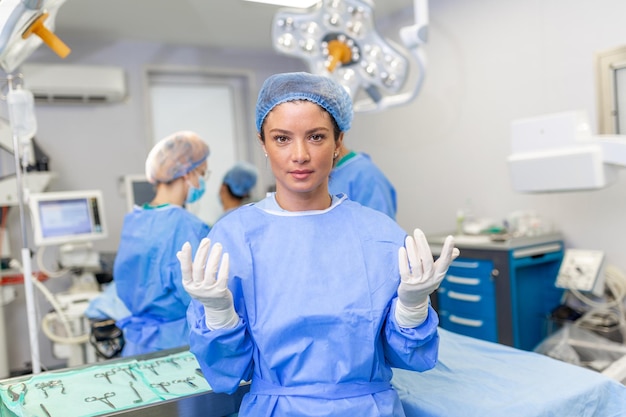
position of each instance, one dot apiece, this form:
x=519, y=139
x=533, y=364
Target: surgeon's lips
x=301, y=174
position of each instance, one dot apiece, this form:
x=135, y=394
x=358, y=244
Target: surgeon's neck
x=174, y=192
x=319, y=199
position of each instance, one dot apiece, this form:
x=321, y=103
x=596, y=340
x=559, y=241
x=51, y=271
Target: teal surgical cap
x=175, y=156
x=241, y=178
x=321, y=90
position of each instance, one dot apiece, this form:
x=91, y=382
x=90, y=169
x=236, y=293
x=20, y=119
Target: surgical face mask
x=194, y=194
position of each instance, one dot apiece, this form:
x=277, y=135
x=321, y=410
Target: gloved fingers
x=415, y=264
x=448, y=254
x=184, y=257
x=403, y=263
x=212, y=264
x=423, y=251
x=200, y=260
x=222, y=276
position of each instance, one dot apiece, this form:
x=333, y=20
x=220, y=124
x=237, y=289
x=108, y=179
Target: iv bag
x=21, y=104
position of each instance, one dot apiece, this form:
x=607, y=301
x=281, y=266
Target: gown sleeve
x=413, y=349
x=224, y=355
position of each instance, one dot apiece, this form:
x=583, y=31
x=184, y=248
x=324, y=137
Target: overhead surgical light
x=338, y=38
x=24, y=25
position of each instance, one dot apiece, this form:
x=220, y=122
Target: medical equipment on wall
x=582, y=270
x=71, y=220
x=557, y=152
x=338, y=38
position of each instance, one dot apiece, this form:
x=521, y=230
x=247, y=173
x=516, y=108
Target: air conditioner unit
x=63, y=83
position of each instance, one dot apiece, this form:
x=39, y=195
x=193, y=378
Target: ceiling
x=212, y=23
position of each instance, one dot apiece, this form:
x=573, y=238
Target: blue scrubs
x=356, y=176
x=316, y=294
x=148, y=278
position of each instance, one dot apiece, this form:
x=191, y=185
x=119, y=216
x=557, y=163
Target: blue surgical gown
x=148, y=278
x=365, y=183
x=316, y=294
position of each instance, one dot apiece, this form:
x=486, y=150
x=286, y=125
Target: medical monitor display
x=138, y=191
x=67, y=217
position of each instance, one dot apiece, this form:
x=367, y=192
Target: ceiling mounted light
x=338, y=38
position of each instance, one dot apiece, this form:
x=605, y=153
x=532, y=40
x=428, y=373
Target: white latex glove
x=204, y=283
x=420, y=276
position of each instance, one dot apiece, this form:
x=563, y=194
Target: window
x=212, y=104
x=611, y=90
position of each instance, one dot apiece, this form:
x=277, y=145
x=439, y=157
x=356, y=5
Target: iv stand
x=26, y=257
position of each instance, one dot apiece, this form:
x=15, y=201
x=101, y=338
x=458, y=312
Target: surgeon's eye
x=281, y=139
x=318, y=137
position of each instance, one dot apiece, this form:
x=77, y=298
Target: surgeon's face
x=300, y=145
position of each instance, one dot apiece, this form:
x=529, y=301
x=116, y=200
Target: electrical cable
x=52, y=274
x=70, y=339
x=615, y=283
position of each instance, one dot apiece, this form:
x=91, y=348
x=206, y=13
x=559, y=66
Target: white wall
x=490, y=62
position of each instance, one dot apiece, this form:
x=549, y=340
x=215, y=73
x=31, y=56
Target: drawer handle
x=465, y=281
x=465, y=264
x=464, y=297
x=466, y=322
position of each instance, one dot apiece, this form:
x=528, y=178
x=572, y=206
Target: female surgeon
x=146, y=271
x=310, y=296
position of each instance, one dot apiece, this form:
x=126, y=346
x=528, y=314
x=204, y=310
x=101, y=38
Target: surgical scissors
x=16, y=395
x=104, y=399
x=106, y=375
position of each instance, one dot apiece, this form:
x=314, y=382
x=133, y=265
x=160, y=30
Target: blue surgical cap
x=175, y=156
x=321, y=90
x=241, y=178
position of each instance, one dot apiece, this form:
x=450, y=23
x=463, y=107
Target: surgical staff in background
x=356, y=175
x=237, y=185
x=311, y=296
x=146, y=271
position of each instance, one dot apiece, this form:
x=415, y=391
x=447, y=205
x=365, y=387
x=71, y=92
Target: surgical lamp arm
x=413, y=37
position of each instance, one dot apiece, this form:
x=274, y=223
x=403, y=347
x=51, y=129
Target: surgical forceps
x=106, y=375
x=44, y=386
x=104, y=399
x=15, y=395
x=151, y=367
x=128, y=370
x=139, y=399
x=169, y=360
x=186, y=381
x=162, y=385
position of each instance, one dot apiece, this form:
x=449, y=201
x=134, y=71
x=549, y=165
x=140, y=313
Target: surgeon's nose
x=301, y=152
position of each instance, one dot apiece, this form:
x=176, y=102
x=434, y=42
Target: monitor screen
x=66, y=217
x=138, y=191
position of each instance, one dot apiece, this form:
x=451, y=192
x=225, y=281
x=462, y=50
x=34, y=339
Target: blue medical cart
x=500, y=291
